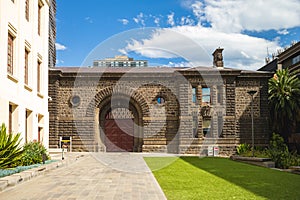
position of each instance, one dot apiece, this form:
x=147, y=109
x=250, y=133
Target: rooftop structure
x=120, y=61
x=288, y=57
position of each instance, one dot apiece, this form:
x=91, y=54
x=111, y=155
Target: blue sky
x=182, y=33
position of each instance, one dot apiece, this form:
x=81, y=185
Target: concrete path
x=94, y=176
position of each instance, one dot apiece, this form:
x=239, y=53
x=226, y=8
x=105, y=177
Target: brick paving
x=93, y=176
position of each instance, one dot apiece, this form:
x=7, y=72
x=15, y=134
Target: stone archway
x=119, y=130
x=101, y=108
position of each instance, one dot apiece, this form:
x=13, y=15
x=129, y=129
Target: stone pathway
x=94, y=176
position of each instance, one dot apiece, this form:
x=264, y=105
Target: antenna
x=267, y=59
x=293, y=42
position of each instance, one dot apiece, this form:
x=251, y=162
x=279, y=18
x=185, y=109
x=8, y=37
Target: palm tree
x=284, y=101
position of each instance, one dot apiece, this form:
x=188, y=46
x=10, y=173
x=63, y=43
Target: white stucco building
x=24, y=33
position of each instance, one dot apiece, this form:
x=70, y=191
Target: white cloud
x=60, y=47
x=227, y=21
x=198, y=10
x=178, y=64
x=123, y=21
x=123, y=51
x=139, y=19
x=171, y=19
x=283, y=32
x=58, y=62
x=89, y=20
x=156, y=21
x=195, y=44
x=238, y=15
x=186, y=21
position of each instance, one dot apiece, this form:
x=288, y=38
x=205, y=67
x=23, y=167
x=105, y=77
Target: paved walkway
x=93, y=176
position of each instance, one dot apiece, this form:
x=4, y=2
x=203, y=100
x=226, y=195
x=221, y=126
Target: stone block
x=3, y=184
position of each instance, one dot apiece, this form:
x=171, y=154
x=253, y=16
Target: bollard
x=62, y=153
x=44, y=157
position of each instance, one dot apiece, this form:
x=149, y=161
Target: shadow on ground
x=268, y=183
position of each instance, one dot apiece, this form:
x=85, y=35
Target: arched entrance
x=121, y=124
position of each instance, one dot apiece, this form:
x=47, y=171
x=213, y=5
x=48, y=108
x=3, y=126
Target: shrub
x=10, y=151
x=33, y=153
x=243, y=148
x=279, y=153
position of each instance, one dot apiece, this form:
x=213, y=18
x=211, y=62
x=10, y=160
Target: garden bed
x=264, y=162
x=10, y=171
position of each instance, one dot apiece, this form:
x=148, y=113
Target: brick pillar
x=186, y=118
x=53, y=112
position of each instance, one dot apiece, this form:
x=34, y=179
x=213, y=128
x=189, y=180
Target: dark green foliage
x=243, y=148
x=33, y=153
x=246, y=150
x=279, y=153
x=284, y=101
x=10, y=150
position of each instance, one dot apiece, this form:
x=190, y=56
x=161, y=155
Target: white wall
x=12, y=88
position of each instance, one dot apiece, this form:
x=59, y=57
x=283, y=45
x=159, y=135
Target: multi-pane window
x=10, y=54
x=220, y=94
x=27, y=10
x=296, y=60
x=39, y=64
x=194, y=94
x=206, y=96
x=39, y=18
x=26, y=66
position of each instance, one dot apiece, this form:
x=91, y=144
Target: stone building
x=52, y=33
x=157, y=109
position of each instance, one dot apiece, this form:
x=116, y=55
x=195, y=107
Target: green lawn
x=221, y=178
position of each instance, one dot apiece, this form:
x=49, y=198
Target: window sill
x=40, y=95
x=12, y=78
x=27, y=87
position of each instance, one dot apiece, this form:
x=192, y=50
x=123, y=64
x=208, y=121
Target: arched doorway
x=121, y=125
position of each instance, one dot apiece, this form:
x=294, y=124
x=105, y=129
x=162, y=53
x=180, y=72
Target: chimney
x=218, y=58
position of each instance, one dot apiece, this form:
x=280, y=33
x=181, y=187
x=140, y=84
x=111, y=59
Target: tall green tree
x=284, y=101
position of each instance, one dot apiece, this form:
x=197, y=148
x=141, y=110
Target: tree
x=284, y=101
